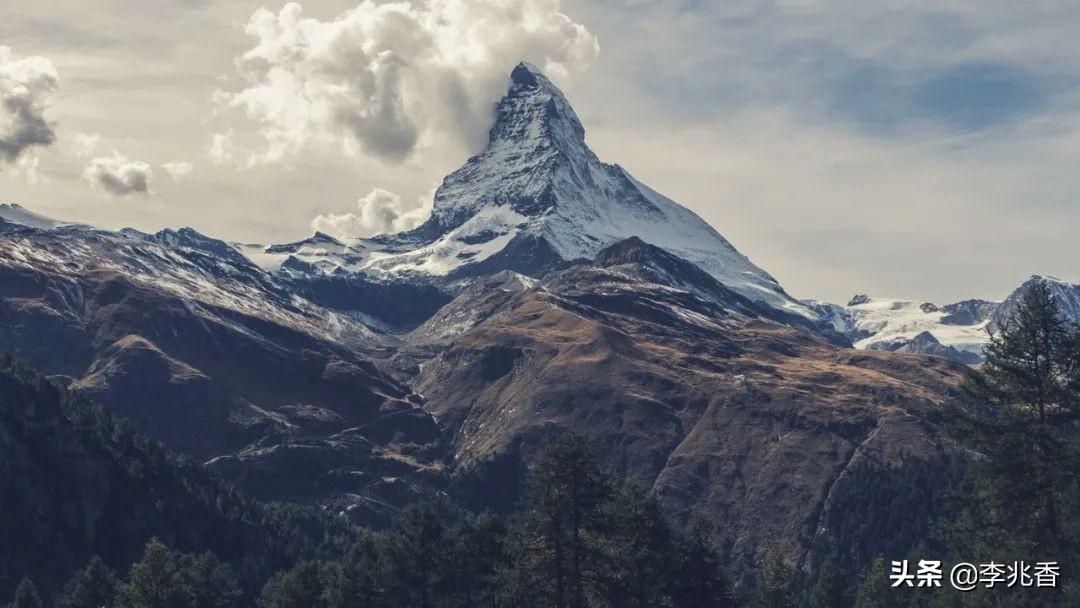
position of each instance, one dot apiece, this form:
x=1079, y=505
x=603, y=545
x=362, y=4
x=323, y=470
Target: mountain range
x=548, y=292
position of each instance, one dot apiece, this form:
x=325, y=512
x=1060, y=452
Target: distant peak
x=858, y=299
x=1045, y=278
x=628, y=249
x=535, y=110
x=634, y=250
x=527, y=74
x=322, y=237
x=16, y=213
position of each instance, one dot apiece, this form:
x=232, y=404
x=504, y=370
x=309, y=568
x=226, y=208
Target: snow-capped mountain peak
x=535, y=137
x=534, y=110
x=537, y=197
x=17, y=214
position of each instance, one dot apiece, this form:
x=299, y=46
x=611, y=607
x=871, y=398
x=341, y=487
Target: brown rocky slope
x=725, y=414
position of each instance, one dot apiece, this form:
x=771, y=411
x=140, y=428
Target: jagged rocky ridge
x=957, y=331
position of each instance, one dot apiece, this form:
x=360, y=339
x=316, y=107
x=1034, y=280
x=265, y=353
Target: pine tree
x=301, y=587
x=26, y=595
x=95, y=586
x=875, y=590
x=476, y=546
x=636, y=546
x=695, y=577
x=154, y=581
x=830, y=590
x=415, y=554
x=358, y=581
x=1021, y=415
x=208, y=582
x=551, y=542
x=777, y=587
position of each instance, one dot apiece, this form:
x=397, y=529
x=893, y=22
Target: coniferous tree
x=358, y=581
x=551, y=542
x=830, y=589
x=476, y=543
x=208, y=582
x=1021, y=416
x=875, y=590
x=415, y=554
x=696, y=577
x=777, y=587
x=636, y=545
x=154, y=581
x=26, y=595
x=95, y=586
x=301, y=587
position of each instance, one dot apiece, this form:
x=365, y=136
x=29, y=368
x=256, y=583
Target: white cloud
x=26, y=87
x=178, y=169
x=381, y=79
x=381, y=212
x=29, y=167
x=221, y=149
x=118, y=176
x=85, y=144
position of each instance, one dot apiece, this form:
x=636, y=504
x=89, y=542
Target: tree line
x=578, y=541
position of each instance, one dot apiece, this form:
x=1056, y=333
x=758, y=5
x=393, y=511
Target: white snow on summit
x=538, y=185
x=15, y=213
x=889, y=320
x=486, y=233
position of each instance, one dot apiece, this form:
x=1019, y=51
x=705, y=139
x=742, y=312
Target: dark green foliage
x=62, y=455
x=580, y=542
x=26, y=595
x=300, y=587
x=700, y=579
x=636, y=544
x=477, y=551
x=551, y=542
x=169, y=579
x=154, y=581
x=417, y=552
x=887, y=510
x=358, y=580
x=830, y=590
x=1020, y=419
x=94, y=586
x=876, y=590
x=211, y=583
x=777, y=585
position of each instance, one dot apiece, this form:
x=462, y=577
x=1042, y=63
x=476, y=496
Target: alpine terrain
x=548, y=292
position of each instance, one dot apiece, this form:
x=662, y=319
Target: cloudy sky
x=925, y=149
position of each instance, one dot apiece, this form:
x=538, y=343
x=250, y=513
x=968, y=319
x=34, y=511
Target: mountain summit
x=537, y=197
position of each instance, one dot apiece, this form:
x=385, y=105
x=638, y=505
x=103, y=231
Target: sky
x=917, y=149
